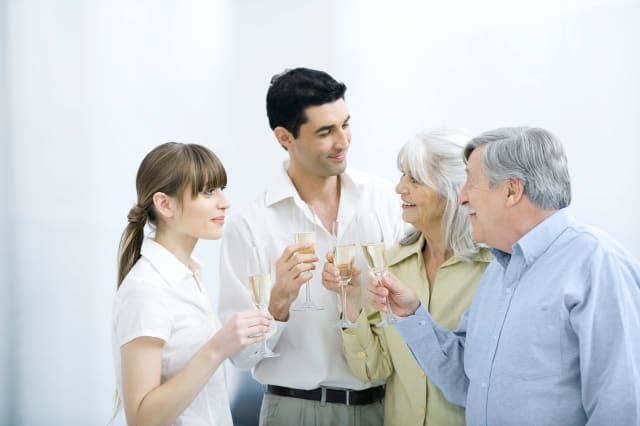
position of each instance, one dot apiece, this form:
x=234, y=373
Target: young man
x=551, y=336
x=310, y=382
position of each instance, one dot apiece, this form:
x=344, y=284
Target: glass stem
x=343, y=294
x=308, y=293
x=389, y=311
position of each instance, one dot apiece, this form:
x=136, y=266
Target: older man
x=552, y=336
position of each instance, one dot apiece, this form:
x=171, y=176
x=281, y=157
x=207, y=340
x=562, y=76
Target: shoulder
x=142, y=283
x=595, y=243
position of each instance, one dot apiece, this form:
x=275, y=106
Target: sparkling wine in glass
x=307, y=236
x=260, y=288
x=344, y=256
x=373, y=248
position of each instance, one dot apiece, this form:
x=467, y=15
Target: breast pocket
x=531, y=343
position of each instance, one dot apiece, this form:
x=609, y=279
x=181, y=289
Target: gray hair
x=532, y=155
x=435, y=159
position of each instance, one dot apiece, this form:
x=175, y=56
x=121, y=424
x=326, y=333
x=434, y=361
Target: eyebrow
x=331, y=126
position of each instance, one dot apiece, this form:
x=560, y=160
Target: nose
x=463, y=198
x=223, y=202
x=343, y=138
x=401, y=187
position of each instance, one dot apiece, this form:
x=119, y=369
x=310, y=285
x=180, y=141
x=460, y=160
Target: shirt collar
x=535, y=242
x=282, y=187
x=168, y=266
x=398, y=253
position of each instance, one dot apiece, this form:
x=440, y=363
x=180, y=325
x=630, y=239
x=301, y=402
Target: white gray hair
x=435, y=159
x=532, y=155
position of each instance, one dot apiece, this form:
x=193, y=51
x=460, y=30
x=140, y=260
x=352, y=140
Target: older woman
x=440, y=258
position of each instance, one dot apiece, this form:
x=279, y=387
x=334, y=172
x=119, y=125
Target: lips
x=339, y=156
x=406, y=204
x=218, y=219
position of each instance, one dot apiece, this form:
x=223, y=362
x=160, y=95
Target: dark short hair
x=294, y=90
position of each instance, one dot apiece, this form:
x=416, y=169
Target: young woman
x=168, y=345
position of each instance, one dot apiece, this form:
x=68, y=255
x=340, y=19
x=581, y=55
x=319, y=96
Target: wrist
x=279, y=310
x=413, y=308
x=216, y=351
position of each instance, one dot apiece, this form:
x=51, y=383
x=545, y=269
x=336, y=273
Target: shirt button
x=495, y=337
x=484, y=385
x=422, y=322
x=361, y=355
x=422, y=374
x=508, y=290
x=423, y=411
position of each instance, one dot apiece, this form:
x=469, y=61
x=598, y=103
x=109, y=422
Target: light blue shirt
x=552, y=336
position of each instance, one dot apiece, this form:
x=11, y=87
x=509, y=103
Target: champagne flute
x=372, y=243
x=344, y=255
x=306, y=235
x=259, y=272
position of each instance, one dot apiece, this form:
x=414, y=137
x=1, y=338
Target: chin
x=216, y=235
x=338, y=169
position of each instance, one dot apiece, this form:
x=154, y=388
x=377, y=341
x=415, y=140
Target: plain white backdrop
x=88, y=87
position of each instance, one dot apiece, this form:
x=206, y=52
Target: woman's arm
x=366, y=349
x=147, y=401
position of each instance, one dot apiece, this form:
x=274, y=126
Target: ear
x=515, y=191
x=284, y=137
x=165, y=205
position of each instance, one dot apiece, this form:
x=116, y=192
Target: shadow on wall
x=245, y=405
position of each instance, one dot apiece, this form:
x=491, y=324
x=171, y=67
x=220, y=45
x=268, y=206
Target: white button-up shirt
x=310, y=344
x=161, y=297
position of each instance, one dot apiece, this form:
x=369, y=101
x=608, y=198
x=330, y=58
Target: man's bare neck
x=322, y=194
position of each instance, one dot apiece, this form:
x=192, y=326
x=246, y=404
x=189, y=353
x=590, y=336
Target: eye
x=345, y=126
x=411, y=178
x=209, y=191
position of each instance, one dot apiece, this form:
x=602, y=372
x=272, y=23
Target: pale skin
x=422, y=208
x=500, y=216
x=317, y=156
x=146, y=400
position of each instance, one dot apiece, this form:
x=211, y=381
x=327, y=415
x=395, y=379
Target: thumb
x=355, y=271
x=330, y=257
x=390, y=281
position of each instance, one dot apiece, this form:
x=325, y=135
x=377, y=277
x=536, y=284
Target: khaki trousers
x=285, y=411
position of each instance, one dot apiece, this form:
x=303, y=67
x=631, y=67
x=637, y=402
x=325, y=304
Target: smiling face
x=323, y=141
x=487, y=206
x=422, y=207
x=202, y=216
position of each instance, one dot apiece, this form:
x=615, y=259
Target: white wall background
x=88, y=87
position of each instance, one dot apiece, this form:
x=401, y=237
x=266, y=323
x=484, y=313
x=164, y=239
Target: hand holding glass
x=307, y=236
x=372, y=242
x=260, y=287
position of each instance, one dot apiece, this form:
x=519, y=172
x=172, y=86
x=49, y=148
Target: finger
x=330, y=268
x=330, y=257
x=355, y=270
x=293, y=249
x=378, y=292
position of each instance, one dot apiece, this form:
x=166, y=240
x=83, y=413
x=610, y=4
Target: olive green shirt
x=375, y=354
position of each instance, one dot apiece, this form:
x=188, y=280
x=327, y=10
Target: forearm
x=167, y=401
x=366, y=352
x=439, y=352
